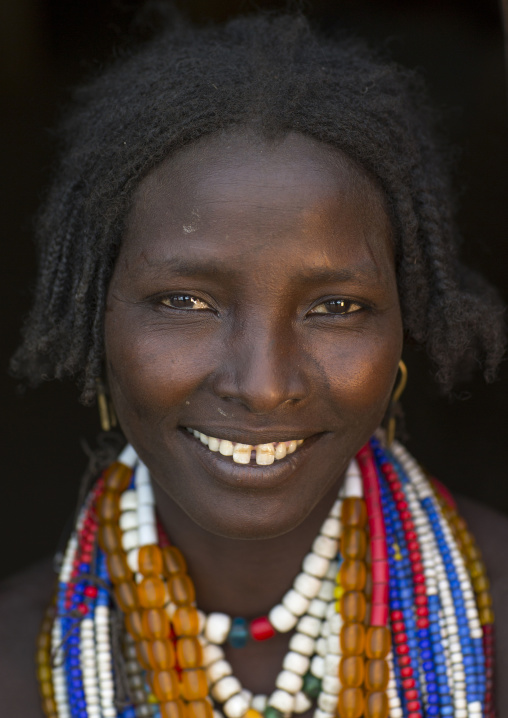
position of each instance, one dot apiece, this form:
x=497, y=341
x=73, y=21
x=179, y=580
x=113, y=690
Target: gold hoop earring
x=397, y=393
x=107, y=413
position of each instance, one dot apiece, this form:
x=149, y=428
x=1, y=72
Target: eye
x=337, y=306
x=184, y=301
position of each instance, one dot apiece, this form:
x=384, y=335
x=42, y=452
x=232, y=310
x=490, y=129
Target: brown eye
x=184, y=301
x=337, y=306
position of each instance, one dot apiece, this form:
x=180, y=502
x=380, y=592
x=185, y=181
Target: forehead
x=232, y=186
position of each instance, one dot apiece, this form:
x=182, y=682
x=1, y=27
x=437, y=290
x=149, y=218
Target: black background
x=48, y=45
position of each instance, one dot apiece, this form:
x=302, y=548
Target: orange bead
x=44, y=673
x=142, y=648
x=352, y=639
x=127, y=596
x=155, y=624
x=481, y=583
x=46, y=689
x=376, y=705
x=486, y=616
x=186, y=621
x=150, y=560
x=173, y=560
x=173, y=709
x=42, y=657
x=352, y=575
x=189, y=652
x=354, y=513
x=161, y=654
x=253, y=713
x=194, y=684
x=118, y=568
x=476, y=568
x=151, y=592
x=473, y=553
x=352, y=671
x=117, y=477
x=165, y=684
x=378, y=642
x=484, y=599
x=353, y=606
x=377, y=674
x=108, y=506
x=201, y=709
x=49, y=707
x=110, y=538
x=134, y=625
x=181, y=588
x=353, y=543
x=44, y=640
x=351, y=703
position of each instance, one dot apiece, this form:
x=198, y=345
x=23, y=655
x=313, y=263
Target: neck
x=240, y=577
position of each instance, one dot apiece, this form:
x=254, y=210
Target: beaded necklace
x=390, y=615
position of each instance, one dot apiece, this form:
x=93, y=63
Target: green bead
x=271, y=712
x=311, y=685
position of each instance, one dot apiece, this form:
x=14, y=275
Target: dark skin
x=254, y=299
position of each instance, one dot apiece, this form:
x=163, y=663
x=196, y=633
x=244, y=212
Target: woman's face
x=254, y=300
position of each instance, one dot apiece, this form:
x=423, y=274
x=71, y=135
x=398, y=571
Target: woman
x=248, y=222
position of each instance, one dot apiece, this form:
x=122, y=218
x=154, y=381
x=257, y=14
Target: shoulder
x=490, y=529
x=23, y=600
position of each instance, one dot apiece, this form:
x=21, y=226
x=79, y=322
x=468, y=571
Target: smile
x=262, y=454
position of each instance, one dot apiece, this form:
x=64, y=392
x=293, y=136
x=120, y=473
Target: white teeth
x=280, y=450
x=226, y=447
x=213, y=444
x=241, y=453
x=265, y=454
x=292, y=446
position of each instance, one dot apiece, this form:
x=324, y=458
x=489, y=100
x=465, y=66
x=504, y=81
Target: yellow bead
x=150, y=560
x=352, y=671
x=173, y=709
x=49, y=707
x=377, y=674
x=477, y=568
x=173, y=560
x=378, y=642
x=251, y=713
x=352, y=639
x=118, y=568
x=486, y=616
x=117, y=477
x=354, y=513
x=189, y=652
x=46, y=689
x=353, y=543
x=353, y=606
x=155, y=624
x=484, y=599
x=151, y=592
x=199, y=709
x=110, y=538
x=352, y=575
x=44, y=673
x=181, y=588
x=108, y=506
x=165, y=685
x=194, y=684
x=351, y=703
x=376, y=705
x=133, y=625
x=186, y=621
x=161, y=654
x=127, y=596
x=142, y=654
x=481, y=583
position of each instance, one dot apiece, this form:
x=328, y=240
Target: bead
x=309, y=625
x=351, y=703
x=377, y=642
x=110, y=538
x=296, y=662
x=315, y=565
x=282, y=700
x=155, y=624
x=352, y=639
x=302, y=643
x=211, y=654
x=189, y=652
x=117, y=477
x=225, y=688
x=173, y=709
x=108, y=506
x=128, y=500
x=352, y=575
x=236, y=706
x=161, y=655
x=185, y=621
x=194, y=685
x=376, y=705
x=353, y=543
x=354, y=512
x=352, y=671
x=331, y=684
x=151, y=592
x=307, y=585
x=142, y=649
x=181, y=588
x=261, y=629
x=127, y=596
x=238, y=633
x=173, y=560
x=271, y=712
x=325, y=546
x=147, y=534
x=282, y=619
x=150, y=560
x=295, y=602
x=302, y=703
x=217, y=627
x=311, y=685
x=377, y=674
x=199, y=709
x=289, y=681
x=217, y=670
x=353, y=606
x=165, y=685
x=133, y=624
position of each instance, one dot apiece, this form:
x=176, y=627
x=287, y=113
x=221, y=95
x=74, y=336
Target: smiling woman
x=248, y=222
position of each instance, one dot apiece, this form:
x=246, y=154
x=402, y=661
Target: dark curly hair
x=274, y=72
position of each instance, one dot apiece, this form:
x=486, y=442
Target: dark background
x=47, y=46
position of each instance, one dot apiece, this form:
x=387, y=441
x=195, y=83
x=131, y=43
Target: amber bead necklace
x=393, y=565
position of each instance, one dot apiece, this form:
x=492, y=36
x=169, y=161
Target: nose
x=262, y=369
